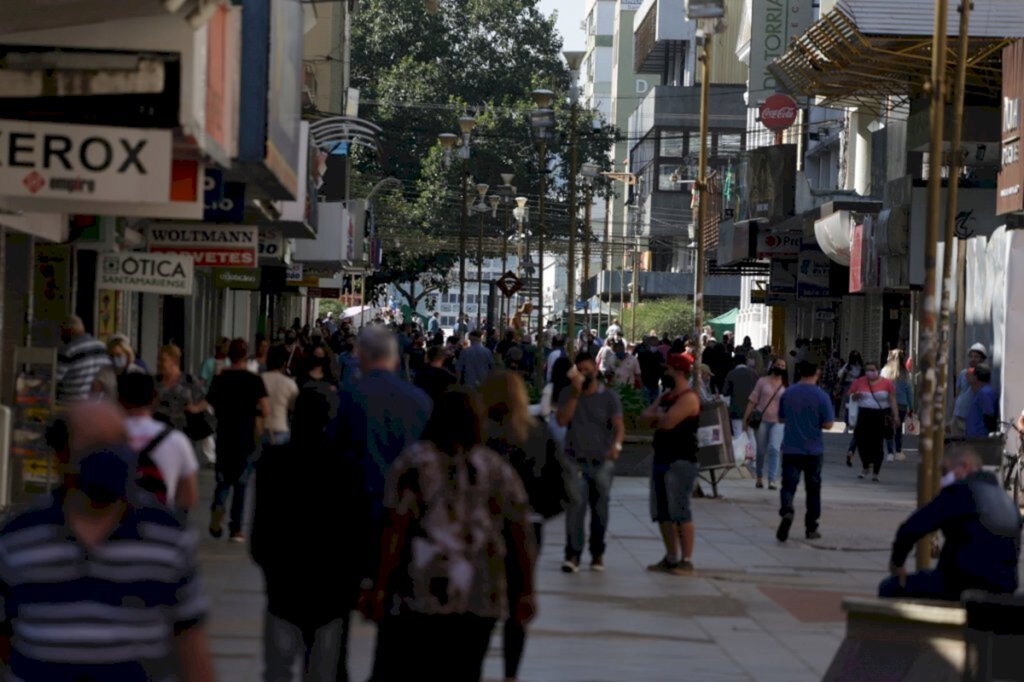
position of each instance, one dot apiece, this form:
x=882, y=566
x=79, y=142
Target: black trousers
x=416, y=646
x=870, y=435
x=514, y=639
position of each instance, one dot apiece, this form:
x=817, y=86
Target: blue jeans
x=236, y=489
x=769, y=444
x=792, y=467
x=922, y=585
x=595, y=481
x=276, y=437
x=895, y=444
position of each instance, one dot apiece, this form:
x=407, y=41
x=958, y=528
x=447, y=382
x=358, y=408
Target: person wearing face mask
x=965, y=389
x=762, y=415
x=981, y=526
x=122, y=357
x=592, y=413
x=876, y=400
x=627, y=370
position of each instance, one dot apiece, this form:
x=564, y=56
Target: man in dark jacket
x=304, y=490
x=981, y=526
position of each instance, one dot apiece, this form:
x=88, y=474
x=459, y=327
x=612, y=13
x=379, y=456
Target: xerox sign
x=97, y=163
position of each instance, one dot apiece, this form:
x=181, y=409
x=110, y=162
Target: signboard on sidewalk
x=216, y=246
x=96, y=163
x=148, y=273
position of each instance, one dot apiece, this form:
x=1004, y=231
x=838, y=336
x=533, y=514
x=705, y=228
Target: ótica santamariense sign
x=148, y=273
x=95, y=163
x=216, y=246
x=778, y=112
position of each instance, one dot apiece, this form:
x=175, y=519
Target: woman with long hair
x=762, y=414
x=528, y=446
x=456, y=554
x=896, y=372
x=851, y=371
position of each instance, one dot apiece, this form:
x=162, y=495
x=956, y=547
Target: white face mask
x=947, y=480
x=120, y=361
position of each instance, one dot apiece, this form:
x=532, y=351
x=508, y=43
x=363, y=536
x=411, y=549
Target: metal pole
x=587, y=236
x=462, y=243
x=635, y=289
x=950, y=238
x=571, y=269
x=480, y=274
x=605, y=246
x=925, y=474
x=702, y=209
x=503, y=308
x=540, y=240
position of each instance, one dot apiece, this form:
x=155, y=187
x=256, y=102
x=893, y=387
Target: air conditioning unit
x=705, y=9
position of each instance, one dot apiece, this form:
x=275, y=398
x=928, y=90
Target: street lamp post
x=466, y=126
x=522, y=214
x=574, y=60
x=506, y=192
x=702, y=208
x=543, y=121
x=589, y=172
x=481, y=190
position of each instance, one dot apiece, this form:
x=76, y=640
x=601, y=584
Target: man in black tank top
x=676, y=415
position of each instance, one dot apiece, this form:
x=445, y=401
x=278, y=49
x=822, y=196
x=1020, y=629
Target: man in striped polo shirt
x=97, y=582
x=79, y=361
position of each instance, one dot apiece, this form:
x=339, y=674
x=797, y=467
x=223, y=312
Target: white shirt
x=281, y=393
x=174, y=456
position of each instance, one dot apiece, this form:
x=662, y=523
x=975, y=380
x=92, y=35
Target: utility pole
x=951, y=241
x=480, y=273
x=927, y=345
x=635, y=289
x=587, y=235
x=702, y=208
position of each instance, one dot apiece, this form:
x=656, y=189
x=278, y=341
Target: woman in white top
x=281, y=394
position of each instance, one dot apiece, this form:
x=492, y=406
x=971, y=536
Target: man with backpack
x=167, y=463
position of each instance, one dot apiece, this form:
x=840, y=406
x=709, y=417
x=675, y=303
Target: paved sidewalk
x=756, y=610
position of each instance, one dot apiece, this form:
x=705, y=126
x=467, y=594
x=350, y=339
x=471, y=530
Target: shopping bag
x=852, y=409
x=911, y=425
x=743, y=448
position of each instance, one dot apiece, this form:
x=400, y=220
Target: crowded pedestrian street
x=501, y=340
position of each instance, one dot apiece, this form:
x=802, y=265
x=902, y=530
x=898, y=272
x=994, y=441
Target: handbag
x=889, y=427
x=757, y=416
x=200, y=425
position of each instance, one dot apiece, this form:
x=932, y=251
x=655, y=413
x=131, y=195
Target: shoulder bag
x=757, y=416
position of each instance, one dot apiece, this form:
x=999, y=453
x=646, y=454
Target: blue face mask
x=620, y=355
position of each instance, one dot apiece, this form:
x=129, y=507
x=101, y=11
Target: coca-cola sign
x=778, y=112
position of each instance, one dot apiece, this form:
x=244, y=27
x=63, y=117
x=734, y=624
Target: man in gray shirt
x=739, y=384
x=475, y=362
x=593, y=414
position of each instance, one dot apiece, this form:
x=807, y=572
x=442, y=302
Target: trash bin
x=994, y=636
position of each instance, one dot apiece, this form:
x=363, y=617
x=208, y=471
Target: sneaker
x=874, y=479
x=570, y=566
x=684, y=567
x=238, y=537
x=813, y=535
x=217, y=523
x=849, y=459
x=759, y=484
x=772, y=486
x=597, y=564
x=863, y=474
x=890, y=457
x=663, y=566
x=783, y=533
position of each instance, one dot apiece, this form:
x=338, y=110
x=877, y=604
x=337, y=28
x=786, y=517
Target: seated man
x=981, y=526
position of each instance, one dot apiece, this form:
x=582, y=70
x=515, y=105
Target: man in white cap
x=977, y=355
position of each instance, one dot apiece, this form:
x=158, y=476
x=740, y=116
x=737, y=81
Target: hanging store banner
x=1010, y=197
x=778, y=244
x=95, y=163
x=216, y=246
x=774, y=25
x=815, y=271
x=782, y=285
x=147, y=273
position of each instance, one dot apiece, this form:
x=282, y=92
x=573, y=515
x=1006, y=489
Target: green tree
x=418, y=71
x=672, y=316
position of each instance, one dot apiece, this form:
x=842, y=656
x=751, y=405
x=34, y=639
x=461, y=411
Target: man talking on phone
x=592, y=413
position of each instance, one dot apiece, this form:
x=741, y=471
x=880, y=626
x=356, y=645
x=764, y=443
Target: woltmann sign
x=148, y=273
x=774, y=25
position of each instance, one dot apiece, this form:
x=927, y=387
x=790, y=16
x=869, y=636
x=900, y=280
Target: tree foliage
x=418, y=71
x=672, y=316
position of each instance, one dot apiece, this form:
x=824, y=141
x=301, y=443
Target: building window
x=666, y=183
x=673, y=143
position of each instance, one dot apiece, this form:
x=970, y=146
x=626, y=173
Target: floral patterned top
x=458, y=507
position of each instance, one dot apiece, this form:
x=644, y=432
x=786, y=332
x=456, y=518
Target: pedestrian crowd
x=434, y=463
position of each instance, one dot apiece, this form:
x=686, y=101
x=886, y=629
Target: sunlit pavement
x=756, y=610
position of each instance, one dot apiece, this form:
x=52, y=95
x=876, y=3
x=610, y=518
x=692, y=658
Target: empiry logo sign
x=34, y=182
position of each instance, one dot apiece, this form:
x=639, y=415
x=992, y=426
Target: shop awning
x=876, y=54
